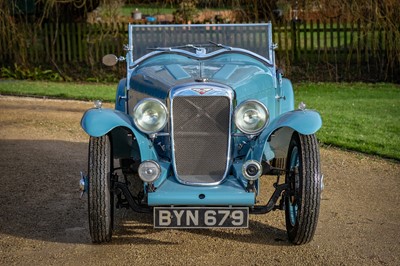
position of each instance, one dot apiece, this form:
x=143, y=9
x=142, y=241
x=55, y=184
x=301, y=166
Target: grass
x=65, y=90
x=356, y=116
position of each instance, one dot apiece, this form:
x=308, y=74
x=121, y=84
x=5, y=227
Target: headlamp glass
x=251, y=117
x=150, y=115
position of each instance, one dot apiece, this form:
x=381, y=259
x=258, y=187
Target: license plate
x=201, y=217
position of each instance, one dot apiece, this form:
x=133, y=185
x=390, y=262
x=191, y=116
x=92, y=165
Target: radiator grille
x=201, y=137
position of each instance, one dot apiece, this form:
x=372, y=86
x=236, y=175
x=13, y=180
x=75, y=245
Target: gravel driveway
x=44, y=222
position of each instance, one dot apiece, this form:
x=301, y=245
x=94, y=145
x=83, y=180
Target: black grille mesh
x=201, y=132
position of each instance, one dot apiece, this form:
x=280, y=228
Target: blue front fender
x=99, y=122
x=305, y=122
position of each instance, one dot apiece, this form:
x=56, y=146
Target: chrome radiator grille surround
x=201, y=137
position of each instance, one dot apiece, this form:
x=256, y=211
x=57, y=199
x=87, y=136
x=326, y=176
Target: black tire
x=302, y=199
x=100, y=197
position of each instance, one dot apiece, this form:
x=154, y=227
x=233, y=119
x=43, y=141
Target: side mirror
x=110, y=60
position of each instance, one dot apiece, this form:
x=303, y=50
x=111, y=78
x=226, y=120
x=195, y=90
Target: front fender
x=120, y=102
x=305, y=122
x=99, y=122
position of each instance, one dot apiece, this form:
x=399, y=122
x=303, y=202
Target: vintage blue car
x=198, y=123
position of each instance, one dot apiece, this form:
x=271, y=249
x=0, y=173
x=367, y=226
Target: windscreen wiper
x=220, y=45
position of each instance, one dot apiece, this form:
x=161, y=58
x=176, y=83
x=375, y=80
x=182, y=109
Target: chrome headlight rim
x=137, y=122
x=251, y=132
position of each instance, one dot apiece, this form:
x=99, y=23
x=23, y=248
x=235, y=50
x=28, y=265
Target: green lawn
x=356, y=116
x=66, y=90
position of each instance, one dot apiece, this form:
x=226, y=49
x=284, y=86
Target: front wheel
x=100, y=197
x=303, y=196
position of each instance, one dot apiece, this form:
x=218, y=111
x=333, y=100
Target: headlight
x=150, y=115
x=252, y=170
x=149, y=171
x=251, y=117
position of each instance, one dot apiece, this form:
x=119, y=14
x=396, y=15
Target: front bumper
x=228, y=193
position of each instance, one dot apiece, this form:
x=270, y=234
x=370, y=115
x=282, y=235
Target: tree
x=65, y=10
x=186, y=11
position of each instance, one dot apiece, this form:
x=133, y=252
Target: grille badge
x=202, y=91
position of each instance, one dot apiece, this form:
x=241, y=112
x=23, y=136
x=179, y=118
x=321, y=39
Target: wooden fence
x=326, y=40
x=65, y=43
x=311, y=41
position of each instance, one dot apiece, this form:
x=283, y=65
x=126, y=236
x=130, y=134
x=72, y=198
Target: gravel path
x=43, y=221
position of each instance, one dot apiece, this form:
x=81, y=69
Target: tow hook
x=83, y=184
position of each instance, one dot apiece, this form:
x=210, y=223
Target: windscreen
x=253, y=37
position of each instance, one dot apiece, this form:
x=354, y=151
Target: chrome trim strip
x=216, y=90
x=201, y=56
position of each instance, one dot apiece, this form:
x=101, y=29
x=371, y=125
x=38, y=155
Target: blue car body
x=200, y=151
